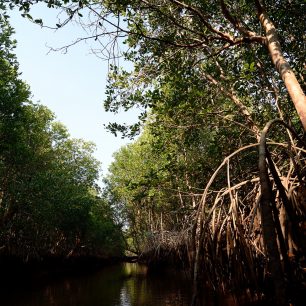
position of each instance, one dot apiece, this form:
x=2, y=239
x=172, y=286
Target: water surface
x=127, y=284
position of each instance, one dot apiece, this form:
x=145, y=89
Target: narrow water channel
x=126, y=284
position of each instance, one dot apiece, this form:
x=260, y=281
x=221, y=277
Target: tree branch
x=248, y=35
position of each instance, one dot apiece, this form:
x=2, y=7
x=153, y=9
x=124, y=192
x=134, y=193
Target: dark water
x=121, y=285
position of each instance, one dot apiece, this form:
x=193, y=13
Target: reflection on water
x=127, y=284
x=141, y=289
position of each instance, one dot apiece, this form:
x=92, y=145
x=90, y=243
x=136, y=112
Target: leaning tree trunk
x=294, y=89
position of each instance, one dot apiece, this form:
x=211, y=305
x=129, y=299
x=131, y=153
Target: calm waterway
x=126, y=284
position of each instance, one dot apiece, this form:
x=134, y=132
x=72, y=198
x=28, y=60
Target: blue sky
x=72, y=85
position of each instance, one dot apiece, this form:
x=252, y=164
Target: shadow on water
x=127, y=284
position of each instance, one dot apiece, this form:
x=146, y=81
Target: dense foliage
x=50, y=204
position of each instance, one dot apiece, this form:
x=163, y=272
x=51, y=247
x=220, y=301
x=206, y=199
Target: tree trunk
x=268, y=225
x=294, y=89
